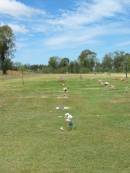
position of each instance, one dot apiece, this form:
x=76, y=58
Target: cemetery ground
x=30, y=137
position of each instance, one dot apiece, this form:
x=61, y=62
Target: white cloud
x=16, y=8
x=87, y=22
x=84, y=35
x=16, y=28
x=87, y=13
x=19, y=28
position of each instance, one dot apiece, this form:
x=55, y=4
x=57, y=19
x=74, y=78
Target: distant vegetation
x=87, y=61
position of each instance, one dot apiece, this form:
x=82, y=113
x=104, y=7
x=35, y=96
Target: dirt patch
x=31, y=97
x=62, y=97
x=122, y=100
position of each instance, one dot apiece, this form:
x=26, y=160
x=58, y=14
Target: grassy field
x=30, y=137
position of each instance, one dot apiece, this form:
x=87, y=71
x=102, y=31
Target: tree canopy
x=7, y=46
x=87, y=59
x=86, y=62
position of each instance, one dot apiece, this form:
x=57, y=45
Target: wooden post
x=22, y=77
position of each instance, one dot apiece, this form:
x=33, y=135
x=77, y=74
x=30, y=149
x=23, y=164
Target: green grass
x=30, y=139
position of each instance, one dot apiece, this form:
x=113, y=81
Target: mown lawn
x=30, y=137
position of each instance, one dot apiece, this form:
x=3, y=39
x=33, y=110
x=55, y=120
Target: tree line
x=86, y=62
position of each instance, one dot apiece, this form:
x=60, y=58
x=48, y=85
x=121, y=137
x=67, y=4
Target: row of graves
x=108, y=85
x=68, y=118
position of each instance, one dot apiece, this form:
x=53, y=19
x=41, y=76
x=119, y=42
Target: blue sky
x=45, y=28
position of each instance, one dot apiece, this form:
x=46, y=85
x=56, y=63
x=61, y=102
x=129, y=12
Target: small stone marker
x=65, y=108
x=61, y=128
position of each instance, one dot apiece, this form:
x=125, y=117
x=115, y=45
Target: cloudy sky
x=44, y=28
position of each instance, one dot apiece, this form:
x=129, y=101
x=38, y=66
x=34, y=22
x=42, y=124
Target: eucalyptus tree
x=7, y=46
x=87, y=59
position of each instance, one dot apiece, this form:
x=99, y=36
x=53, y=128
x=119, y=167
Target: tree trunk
x=22, y=77
x=4, y=71
x=3, y=67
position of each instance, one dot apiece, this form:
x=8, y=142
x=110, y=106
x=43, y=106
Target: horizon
x=44, y=28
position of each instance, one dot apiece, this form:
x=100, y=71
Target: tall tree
x=64, y=65
x=107, y=63
x=7, y=46
x=74, y=67
x=87, y=59
x=54, y=62
x=119, y=60
x=64, y=62
x=128, y=61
